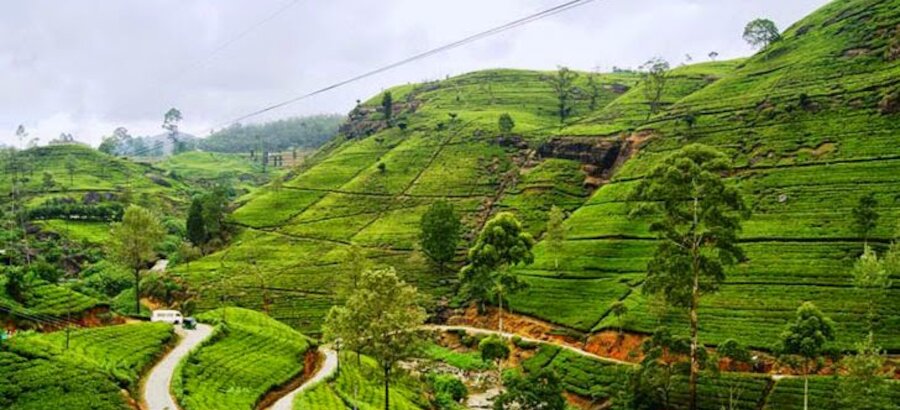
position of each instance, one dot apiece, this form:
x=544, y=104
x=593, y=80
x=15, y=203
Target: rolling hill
x=811, y=123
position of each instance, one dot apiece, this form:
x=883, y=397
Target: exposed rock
x=158, y=180
x=91, y=198
x=890, y=103
x=512, y=141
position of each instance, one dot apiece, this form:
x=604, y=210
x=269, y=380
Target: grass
x=40, y=374
x=249, y=355
x=461, y=360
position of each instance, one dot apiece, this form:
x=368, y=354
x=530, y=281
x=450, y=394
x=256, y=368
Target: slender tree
x=655, y=74
x=873, y=279
x=594, y=88
x=696, y=215
x=619, y=309
x=196, y=227
x=556, y=233
x=70, y=168
x=865, y=216
x=382, y=317
x=387, y=106
x=440, y=233
x=132, y=243
x=803, y=341
x=505, y=123
x=501, y=244
x=760, y=33
x=866, y=385
x=563, y=85
x=170, y=123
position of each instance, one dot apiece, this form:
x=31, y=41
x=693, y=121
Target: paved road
x=327, y=370
x=156, y=390
x=478, y=330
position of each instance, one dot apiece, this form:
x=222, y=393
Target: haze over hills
x=260, y=250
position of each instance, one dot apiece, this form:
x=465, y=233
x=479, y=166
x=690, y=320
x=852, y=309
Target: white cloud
x=89, y=66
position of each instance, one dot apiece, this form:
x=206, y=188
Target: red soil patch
x=621, y=346
x=516, y=324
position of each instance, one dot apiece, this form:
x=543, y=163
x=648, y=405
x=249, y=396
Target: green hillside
x=39, y=373
x=248, y=355
x=809, y=122
x=67, y=196
x=803, y=122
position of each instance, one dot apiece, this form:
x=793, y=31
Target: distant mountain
x=300, y=132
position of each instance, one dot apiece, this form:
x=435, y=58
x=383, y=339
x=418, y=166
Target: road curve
x=156, y=391
x=478, y=330
x=329, y=367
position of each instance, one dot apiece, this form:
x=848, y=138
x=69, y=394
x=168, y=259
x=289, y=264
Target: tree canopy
x=696, y=215
x=501, y=243
x=440, y=232
x=132, y=242
x=761, y=32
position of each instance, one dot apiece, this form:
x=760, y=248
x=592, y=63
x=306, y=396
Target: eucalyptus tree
x=696, y=214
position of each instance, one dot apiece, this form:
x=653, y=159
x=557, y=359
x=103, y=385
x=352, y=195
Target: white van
x=167, y=316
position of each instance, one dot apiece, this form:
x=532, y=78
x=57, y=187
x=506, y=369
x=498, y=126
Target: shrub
x=448, y=386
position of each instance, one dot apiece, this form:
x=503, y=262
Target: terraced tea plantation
x=360, y=387
x=39, y=373
x=248, y=355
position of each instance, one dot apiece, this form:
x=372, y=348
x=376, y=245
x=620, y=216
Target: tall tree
x=132, y=243
x=563, y=85
x=71, y=166
x=170, y=123
x=556, y=233
x=655, y=74
x=501, y=244
x=440, y=232
x=760, y=33
x=505, y=124
x=865, y=216
x=387, y=106
x=594, y=88
x=696, y=215
x=873, y=279
x=866, y=385
x=196, y=227
x=803, y=341
x=21, y=134
x=381, y=317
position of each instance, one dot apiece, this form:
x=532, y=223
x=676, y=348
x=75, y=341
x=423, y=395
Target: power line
x=200, y=62
x=472, y=38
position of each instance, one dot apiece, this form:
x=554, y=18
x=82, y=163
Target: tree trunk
x=695, y=365
x=805, y=387
x=695, y=302
x=137, y=291
x=500, y=295
x=387, y=388
x=356, y=385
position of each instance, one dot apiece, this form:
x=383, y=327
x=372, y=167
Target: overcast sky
x=88, y=66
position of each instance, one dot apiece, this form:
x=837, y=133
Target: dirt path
x=156, y=392
x=329, y=367
x=576, y=350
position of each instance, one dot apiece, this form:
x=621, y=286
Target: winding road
x=156, y=392
x=329, y=367
x=482, y=331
